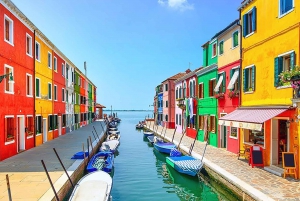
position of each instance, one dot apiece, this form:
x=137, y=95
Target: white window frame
x=49, y=98
x=11, y=30
x=232, y=44
x=55, y=92
x=212, y=49
x=38, y=57
x=249, y=80
x=55, y=64
x=250, y=33
x=284, y=14
x=30, y=45
x=11, y=83
x=49, y=60
x=30, y=85
x=39, y=87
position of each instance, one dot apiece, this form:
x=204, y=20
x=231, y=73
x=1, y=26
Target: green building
x=77, y=100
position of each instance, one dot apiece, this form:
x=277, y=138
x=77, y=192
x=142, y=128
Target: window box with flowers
x=219, y=95
x=10, y=137
x=181, y=106
x=233, y=94
x=290, y=75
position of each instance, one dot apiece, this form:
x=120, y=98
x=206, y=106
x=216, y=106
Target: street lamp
x=11, y=78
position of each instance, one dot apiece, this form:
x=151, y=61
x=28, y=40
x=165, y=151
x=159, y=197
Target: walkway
x=258, y=183
x=27, y=177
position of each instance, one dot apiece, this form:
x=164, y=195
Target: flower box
x=233, y=94
x=181, y=106
x=219, y=96
x=10, y=138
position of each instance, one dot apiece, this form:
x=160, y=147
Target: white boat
x=110, y=145
x=113, y=129
x=113, y=137
x=114, y=132
x=95, y=186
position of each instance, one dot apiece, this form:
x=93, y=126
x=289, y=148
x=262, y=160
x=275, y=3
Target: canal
x=141, y=173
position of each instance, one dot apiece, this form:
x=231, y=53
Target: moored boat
x=164, y=147
x=114, y=132
x=139, y=126
x=148, y=133
x=113, y=137
x=110, y=145
x=93, y=186
x=185, y=164
x=103, y=160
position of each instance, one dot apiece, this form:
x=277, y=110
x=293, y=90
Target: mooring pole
x=174, y=134
x=63, y=167
x=56, y=196
x=94, y=136
x=180, y=140
x=91, y=143
x=83, y=153
x=8, y=188
x=88, y=146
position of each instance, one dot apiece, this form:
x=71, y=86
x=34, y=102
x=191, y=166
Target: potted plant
x=10, y=137
x=234, y=93
x=219, y=95
x=290, y=75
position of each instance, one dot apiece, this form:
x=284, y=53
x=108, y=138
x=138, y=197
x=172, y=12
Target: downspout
x=240, y=77
x=34, y=97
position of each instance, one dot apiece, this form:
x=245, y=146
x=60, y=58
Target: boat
x=114, y=132
x=93, y=186
x=164, y=147
x=139, y=126
x=148, y=133
x=151, y=139
x=112, y=124
x=103, y=160
x=113, y=129
x=185, y=164
x=110, y=145
x=113, y=136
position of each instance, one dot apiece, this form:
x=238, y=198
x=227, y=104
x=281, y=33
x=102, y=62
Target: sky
x=130, y=46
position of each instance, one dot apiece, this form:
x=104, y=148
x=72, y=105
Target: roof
x=192, y=73
x=98, y=105
x=235, y=22
x=175, y=77
x=244, y=4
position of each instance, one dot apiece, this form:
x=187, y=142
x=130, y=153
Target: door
x=45, y=130
x=282, y=138
x=59, y=125
x=223, y=128
x=21, y=133
x=274, y=142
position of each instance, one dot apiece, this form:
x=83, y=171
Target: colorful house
x=77, y=99
x=267, y=116
x=179, y=106
x=169, y=101
x=228, y=85
x=207, y=103
x=159, y=104
x=16, y=81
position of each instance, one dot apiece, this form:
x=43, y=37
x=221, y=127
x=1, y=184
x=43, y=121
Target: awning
x=233, y=79
x=249, y=118
x=219, y=83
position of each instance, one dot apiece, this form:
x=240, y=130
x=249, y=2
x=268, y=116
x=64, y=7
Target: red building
x=17, y=96
x=83, y=102
x=59, y=91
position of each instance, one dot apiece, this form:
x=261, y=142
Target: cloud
x=180, y=5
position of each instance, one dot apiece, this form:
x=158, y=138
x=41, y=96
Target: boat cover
x=92, y=191
x=189, y=165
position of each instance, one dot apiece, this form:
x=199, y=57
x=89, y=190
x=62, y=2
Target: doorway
x=59, y=125
x=45, y=130
x=21, y=133
x=223, y=134
x=280, y=135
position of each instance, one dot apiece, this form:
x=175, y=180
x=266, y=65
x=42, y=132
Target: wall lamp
x=11, y=78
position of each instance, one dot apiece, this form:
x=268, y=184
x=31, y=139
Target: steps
x=274, y=170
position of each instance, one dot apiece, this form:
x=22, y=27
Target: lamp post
x=11, y=78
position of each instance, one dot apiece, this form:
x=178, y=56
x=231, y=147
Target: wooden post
x=83, y=153
x=56, y=196
x=63, y=167
x=8, y=188
x=88, y=146
x=174, y=134
x=91, y=143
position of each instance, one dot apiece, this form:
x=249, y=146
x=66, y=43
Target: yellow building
x=270, y=45
x=44, y=88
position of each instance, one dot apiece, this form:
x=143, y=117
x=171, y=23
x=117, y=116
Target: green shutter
x=292, y=60
x=238, y=79
x=245, y=80
x=245, y=25
x=224, y=82
x=235, y=38
x=37, y=87
x=49, y=91
x=276, y=72
x=280, y=66
x=253, y=78
x=253, y=18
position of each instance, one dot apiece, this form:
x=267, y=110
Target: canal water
x=140, y=172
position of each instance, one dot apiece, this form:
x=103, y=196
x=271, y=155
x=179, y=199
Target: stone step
x=274, y=170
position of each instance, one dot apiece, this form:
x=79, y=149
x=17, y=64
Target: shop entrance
x=279, y=140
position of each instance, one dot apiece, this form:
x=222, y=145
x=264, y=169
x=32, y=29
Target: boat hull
x=107, y=158
x=185, y=164
x=164, y=147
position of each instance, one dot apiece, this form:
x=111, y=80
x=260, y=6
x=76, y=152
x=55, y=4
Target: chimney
x=188, y=71
x=85, y=68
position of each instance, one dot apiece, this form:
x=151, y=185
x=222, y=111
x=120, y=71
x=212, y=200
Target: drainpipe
x=34, y=97
x=240, y=75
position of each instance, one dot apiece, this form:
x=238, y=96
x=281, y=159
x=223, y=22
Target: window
x=37, y=87
x=235, y=39
x=55, y=123
x=49, y=60
x=221, y=47
x=76, y=118
x=63, y=70
x=37, y=51
x=176, y=119
x=201, y=122
x=285, y=6
x=180, y=119
x=67, y=71
x=212, y=85
x=194, y=122
x=284, y=62
x=28, y=85
x=212, y=124
x=214, y=50
x=166, y=87
x=30, y=126
x=176, y=92
x=8, y=30
x=254, y=137
x=49, y=91
x=220, y=86
x=72, y=76
x=249, y=22
x=38, y=125
x=249, y=79
x=180, y=92
x=233, y=132
x=166, y=117
x=28, y=45
x=55, y=64
x=184, y=90
x=166, y=103
x=72, y=97
x=200, y=94
x=9, y=84
x=67, y=96
x=234, y=83
x=9, y=128
x=55, y=92
x=50, y=122
x=63, y=94
x=63, y=120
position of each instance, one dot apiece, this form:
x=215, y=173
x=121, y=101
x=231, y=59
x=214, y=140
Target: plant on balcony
x=234, y=93
x=290, y=75
x=180, y=99
x=181, y=106
x=219, y=95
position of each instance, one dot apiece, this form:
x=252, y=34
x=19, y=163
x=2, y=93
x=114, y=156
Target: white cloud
x=180, y=5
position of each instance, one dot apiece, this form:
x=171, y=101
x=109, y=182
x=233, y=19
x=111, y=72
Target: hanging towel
x=191, y=110
x=187, y=108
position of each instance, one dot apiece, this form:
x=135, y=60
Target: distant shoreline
x=129, y=110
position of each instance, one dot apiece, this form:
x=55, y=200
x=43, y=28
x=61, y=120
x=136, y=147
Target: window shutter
x=210, y=88
x=224, y=82
x=254, y=18
x=253, y=78
x=208, y=124
x=42, y=124
x=238, y=79
x=280, y=66
x=245, y=80
x=244, y=25
x=292, y=60
x=276, y=72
